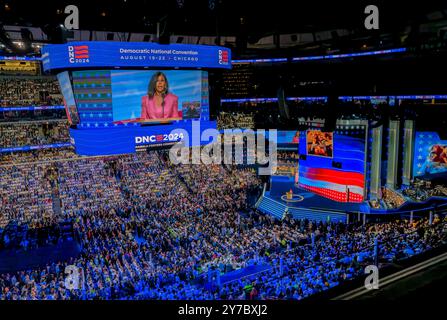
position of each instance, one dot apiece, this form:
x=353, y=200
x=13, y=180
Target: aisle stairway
x=272, y=207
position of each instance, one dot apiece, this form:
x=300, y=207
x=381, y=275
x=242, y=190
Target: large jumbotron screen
x=334, y=164
x=430, y=156
x=134, y=95
x=69, y=101
x=147, y=105
x=123, y=96
x=319, y=143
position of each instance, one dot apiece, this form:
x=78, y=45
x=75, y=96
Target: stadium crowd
x=152, y=230
x=29, y=91
x=25, y=196
x=32, y=134
x=287, y=163
x=229, y=120
x=421, y=190
x=37, y=156
x=391, y=198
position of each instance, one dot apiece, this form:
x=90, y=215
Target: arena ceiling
x=220, y=17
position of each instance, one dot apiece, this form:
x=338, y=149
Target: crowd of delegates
x=421, y=190
x=229, y=120
x=162, y=233
x=40, y=133
x=22, y=114
x=43, y=155
x=153, y=230
x=375, y=203
x=17, y=71
x=205, y=181
x=287, y=163
x=418, y=190
x=391, y=198
x=337, y=256
x=388, y=199
x=29, y=91
x=25, y=196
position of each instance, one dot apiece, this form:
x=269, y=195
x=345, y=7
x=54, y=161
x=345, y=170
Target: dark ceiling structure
x=219, y=17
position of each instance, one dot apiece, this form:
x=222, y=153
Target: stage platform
x=282, y=184
x=313, y=201
x=308, y=205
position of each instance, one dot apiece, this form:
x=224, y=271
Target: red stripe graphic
x=334, y=176
x=334, y=195
x=80, y=51
x=80, y=47
x=84, y=56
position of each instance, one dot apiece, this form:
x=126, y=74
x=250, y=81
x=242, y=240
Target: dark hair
x=153, y=82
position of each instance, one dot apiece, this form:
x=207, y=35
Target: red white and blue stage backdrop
x=340, y=177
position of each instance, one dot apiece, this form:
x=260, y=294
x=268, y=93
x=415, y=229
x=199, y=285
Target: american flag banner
x=430, y=154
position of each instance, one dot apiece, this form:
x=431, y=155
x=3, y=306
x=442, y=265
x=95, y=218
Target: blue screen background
x=129, y=86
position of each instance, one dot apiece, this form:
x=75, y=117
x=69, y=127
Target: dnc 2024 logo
x=223, y=57
x=78, y=54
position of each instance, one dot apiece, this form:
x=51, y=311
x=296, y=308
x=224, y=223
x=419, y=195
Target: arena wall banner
x=40, y=147
x=106, y=54
x=129, y=138
x=30, y=108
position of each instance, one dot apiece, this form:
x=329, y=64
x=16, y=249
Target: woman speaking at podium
x=159, y=103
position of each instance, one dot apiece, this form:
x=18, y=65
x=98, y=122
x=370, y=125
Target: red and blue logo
x=223, y=57
x=78, y=54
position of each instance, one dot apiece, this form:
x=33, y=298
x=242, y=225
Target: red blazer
x=150, y=111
